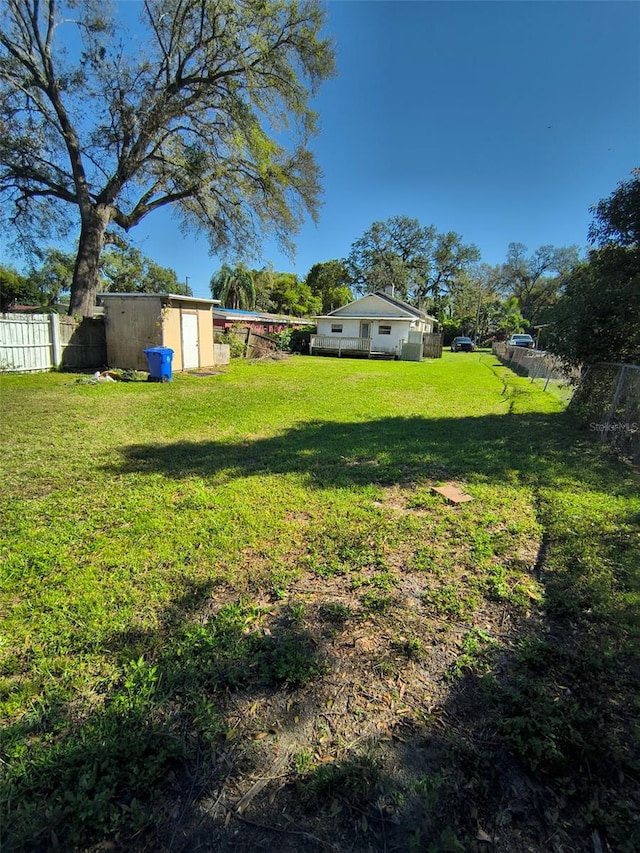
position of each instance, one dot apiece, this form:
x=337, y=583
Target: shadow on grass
x=384, y=451
x=107, y=776
x=541, y=752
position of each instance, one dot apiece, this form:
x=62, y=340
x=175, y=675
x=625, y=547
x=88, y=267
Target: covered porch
x=339, y=346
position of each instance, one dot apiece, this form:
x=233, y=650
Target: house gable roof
x=380, y=305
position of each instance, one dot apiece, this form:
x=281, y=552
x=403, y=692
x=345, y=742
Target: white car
x=521, y=341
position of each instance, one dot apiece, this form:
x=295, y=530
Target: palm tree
x=510, y=318
x=234, y=287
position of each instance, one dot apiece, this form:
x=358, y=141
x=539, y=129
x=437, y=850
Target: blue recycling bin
x=159, y=360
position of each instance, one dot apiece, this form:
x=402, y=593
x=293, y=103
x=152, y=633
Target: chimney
x=389, y=289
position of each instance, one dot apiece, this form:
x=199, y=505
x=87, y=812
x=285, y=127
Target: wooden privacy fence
x=259, y=345
x=36, y=342
x=432, y=345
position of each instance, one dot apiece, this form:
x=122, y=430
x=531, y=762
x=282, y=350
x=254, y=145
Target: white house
x=375, y=326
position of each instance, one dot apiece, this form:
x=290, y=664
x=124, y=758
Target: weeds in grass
x=353, y=782
x=226, y=653
x=429, y=789
x=411, y=647
x=450, y=600
x=303, y=762
x=476, y=653
x=297, y=611
x=109, y=770
x=373, y=601
x=130, y=513
x=335, y=613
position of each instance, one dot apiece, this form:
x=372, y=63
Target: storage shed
x=135, y=321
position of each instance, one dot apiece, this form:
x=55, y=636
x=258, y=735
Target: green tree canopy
x=289, y=295
x=417, y=260
x=127, y=270
x=396, y=252
x=102, y=124
x=598, y=315
x=535, y=279
x=473, y=301
x=284, y=293
x=508, y=317
x=617, y=218
x=263, y=283
x=330, y=282
x=44, y=282
x=53, y=275
x=15, y=287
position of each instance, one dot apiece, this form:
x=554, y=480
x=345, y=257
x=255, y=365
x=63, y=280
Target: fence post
x=616, y=399
x=56, y=349
x=539, y=366
x=551, y=369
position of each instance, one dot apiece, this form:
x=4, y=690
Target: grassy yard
x=235, y=616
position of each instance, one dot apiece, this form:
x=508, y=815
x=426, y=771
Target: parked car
x=521, y=341
x=462, y=345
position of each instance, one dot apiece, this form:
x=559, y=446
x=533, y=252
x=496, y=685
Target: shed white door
x=190, y=356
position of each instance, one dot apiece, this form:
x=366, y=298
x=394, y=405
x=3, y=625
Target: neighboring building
x=17, y=308
x=375, y=326
x=258, y=321
x=136, y=321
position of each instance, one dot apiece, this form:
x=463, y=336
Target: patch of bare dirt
x=393, y=747
x=387, y=704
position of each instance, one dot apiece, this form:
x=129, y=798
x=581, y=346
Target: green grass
x=165, y=547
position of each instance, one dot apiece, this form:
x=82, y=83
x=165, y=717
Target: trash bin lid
x=158, y=349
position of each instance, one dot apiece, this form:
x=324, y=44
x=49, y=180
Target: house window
x=384, y=330
x=336, y=328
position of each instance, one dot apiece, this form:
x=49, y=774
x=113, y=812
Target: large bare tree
x=203, y=105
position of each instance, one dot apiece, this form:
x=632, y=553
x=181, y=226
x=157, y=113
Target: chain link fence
x=607, y=401
x=543, y=368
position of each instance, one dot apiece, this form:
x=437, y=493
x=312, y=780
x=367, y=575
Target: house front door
x=365, y=330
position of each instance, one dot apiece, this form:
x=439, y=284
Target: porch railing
x=339, y=344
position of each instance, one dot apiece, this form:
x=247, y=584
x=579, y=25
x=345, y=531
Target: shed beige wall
x=172, y=335
x=129, y=332
x=133, y=324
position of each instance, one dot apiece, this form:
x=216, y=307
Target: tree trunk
x=86, y=274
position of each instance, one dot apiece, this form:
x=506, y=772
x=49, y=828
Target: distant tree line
x=435, y=271
x=324, y=288
x=101, y=129
x=583, y=309
x=47, y=283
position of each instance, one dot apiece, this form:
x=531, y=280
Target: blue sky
x=503, y=121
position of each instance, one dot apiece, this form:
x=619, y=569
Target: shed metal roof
x=112, y=295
